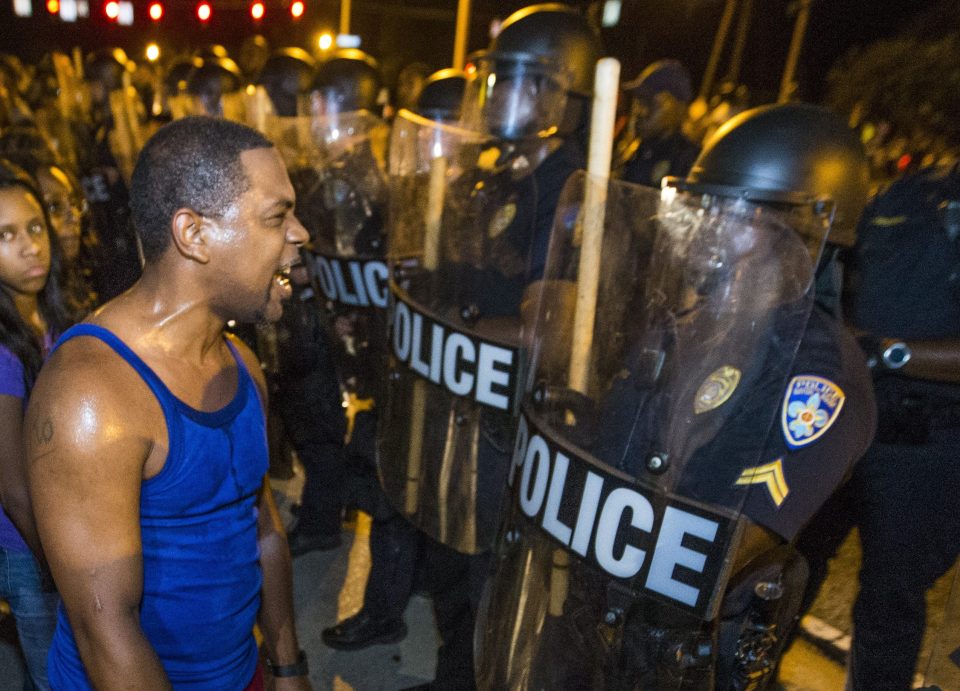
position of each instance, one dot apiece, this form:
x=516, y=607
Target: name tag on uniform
x=353, y=282
x=658, y=545
x=458, y=360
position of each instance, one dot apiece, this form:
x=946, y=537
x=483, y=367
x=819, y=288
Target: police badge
x=810, y=407
x=716, y=389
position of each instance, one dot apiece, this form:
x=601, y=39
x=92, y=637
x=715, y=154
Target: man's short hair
x=193, y=163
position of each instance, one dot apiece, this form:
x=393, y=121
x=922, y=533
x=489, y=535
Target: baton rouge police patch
x=810, y=407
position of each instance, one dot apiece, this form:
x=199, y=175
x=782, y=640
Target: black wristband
x=297, y=669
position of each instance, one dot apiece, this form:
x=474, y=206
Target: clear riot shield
x=629, y=465
x=457, y=263
x=337, y=168
x=943, y=669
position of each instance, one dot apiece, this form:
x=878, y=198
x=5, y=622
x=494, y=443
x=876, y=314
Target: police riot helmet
x=546, y=54
x=349, y=80
x=175, y=79
x=442, y=94
x=287, y=74
x=790, y=154
x=211, y=51
x=211, y=78
x=107, y=66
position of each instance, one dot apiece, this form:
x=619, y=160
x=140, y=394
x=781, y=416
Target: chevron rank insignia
x=770, y=475
x=716, y=389
x=810, y=407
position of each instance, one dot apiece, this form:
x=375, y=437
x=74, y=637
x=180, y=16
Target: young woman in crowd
x=33, y=311
x=66, y=206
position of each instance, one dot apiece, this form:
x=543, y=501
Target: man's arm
x=13, y=474
x=87, y=442
x=276, y=619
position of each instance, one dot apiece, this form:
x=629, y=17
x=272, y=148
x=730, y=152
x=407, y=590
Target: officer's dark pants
x=904, y=501
x=320, y=503
x=313, y=422
x=394, y=542
x=455, y=582
x=910, y=531
x=394, y=546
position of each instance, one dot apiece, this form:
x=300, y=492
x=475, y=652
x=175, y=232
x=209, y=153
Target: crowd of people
x=204, y=265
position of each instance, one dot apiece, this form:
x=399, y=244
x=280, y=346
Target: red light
x=204, y=11
x=112, y=10
x=156, y=11
x=903, y=162
x=53, y=6
x=256, y=11
x=296, y=9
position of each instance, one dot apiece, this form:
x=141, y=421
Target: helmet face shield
x=515, y=96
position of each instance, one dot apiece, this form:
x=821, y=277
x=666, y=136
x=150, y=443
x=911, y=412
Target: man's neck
x=167, y=314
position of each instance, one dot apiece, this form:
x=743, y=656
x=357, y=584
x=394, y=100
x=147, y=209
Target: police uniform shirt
x=779, y=452
x=518, y=227
x=906, y=257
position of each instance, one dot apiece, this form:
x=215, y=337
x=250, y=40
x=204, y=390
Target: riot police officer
x=394, y=542
x=471, y=210
x=116, y=263
x=307, y=395
x=338, y=177
x=441, y=95
x=658, y=486
x=287, y=75
x=212, y=78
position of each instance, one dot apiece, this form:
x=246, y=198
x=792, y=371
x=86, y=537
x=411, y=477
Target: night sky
x=401, y=31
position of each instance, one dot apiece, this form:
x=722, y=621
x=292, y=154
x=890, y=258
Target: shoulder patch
x=716, y=389
x=810, y=407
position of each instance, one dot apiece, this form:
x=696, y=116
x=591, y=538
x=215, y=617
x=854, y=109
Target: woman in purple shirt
x=32, y=311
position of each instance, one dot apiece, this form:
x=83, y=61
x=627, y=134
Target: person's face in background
x=658, y=115
x=65, y=205
x=24, y=244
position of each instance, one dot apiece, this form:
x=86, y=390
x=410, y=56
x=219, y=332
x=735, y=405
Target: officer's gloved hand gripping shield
x=628, y=476
x=458, y=243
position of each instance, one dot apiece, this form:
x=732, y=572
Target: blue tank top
x=198, y=521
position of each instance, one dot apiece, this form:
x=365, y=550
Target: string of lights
x=127, y=13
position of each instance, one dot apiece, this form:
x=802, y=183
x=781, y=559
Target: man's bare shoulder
x=84, y=364
x=92, y=396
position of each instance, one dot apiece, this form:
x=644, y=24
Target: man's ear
x=189, y=238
